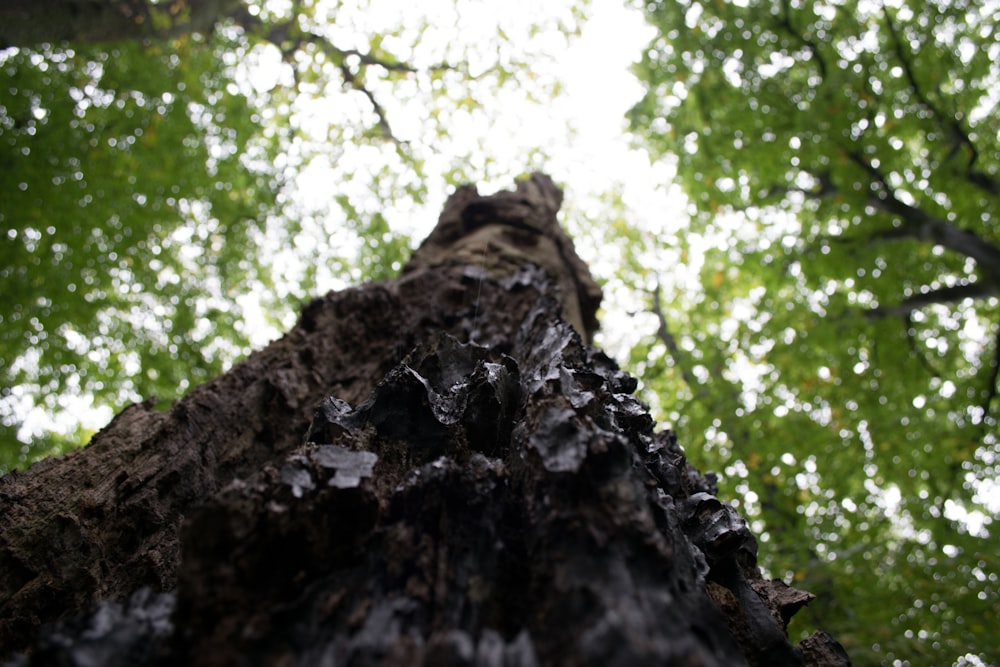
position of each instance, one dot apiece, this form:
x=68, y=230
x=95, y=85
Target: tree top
x=499, y=233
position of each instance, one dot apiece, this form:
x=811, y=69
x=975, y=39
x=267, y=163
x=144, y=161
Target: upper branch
x=950, y=126
x=785, y=22
x=351, y=63
x=915, y=224
x=920, y=225
x=992, y=386
x=664, y=334
x=943, y=295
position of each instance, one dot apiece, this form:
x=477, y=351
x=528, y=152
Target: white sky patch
x=583, y=129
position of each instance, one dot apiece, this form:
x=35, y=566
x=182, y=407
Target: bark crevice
x=375, y=489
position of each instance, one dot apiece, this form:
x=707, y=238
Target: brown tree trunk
x=433, y=470
x=33, y=22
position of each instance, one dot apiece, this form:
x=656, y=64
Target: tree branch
x=731, y=391
x=920, y=225
x=353, y=80
x=288, y=37
x=950, y=126
x=983, y=181
x=825, y=188
x=785, y=22
x=917, y=224
x=664, y=334
x=992, y=387
x=911, y=339
x=944, y=295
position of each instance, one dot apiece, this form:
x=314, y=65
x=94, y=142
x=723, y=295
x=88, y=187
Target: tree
x=477, y=486
x=154, y=178
x=841, y=359
x=54, y=21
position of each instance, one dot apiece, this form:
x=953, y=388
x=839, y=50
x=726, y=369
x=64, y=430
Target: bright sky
x=583, y=130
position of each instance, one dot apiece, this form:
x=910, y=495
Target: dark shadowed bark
x=434, y=470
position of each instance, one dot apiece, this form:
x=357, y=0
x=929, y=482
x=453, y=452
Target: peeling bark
x=374, y=488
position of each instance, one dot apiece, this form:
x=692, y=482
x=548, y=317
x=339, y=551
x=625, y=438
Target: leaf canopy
x=129, y=203
x=838, y=357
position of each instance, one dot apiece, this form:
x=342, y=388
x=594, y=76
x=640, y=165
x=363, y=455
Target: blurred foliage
x=825, y=328
x=128, y=208
x=167, y=203
x=821, y=325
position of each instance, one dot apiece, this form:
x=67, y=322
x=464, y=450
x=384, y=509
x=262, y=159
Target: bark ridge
x=376, y=489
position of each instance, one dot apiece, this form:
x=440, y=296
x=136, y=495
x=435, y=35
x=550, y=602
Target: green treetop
x=840, y=358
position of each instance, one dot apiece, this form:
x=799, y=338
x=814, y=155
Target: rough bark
x=34, y=22
x=432, y=470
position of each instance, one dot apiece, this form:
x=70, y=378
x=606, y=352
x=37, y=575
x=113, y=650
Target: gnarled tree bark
x=432, y=470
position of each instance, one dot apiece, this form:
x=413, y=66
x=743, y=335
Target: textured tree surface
x=432, y=470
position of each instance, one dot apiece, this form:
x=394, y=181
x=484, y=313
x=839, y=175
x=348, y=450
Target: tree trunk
x=433, y=470
x=33, y=22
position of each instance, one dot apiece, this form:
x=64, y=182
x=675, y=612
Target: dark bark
x=375, y=489
x=34, y=22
